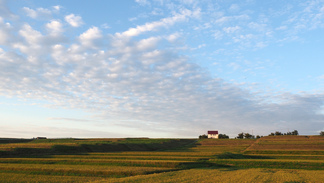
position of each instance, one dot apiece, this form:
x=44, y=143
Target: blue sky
x=160, y=68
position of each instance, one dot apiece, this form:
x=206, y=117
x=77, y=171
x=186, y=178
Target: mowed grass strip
x=212, y=150
x=104, y=162
x=188, y=153
x=280, y=164
x=131, y=157
x=226, y=142
x=79, y=170
x=285, y=152
x=8, y=177
x=291, y=157
x=226, y=175
x=308, y=147
x=10, y=147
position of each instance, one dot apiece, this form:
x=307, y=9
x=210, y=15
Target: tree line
x=277, y=133
x=250, y=136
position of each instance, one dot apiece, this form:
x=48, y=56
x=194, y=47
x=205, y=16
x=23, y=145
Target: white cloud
x=173, y=37
x=218, y=35
x=234, y=7
x=4, y=31
x=5, y=11
x=321, y=77
x=57, y=7
x=230, y=30
x=226, y=19
x=74, y=20
x=147, y=44
x=142, y=2
x=105, y=26
x=284, y=27
x=157, y=11
x=30, y=12
x=55, y=27
x=38, y=13
x=153, y=26
x=90, y=37
x=31, y=36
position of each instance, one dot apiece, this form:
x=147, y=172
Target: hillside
x=269, y=159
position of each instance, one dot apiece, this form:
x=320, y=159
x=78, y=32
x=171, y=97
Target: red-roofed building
x=212, y=134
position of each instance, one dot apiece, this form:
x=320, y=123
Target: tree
x=271, y=134
x=278, y=133
x=295, y=132
x=258, y=136
x=322, y=133
x=223, y=136
x=204, y=136
x=240, y=135
x=248, y=136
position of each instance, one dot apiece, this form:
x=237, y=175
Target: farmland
x=269, y=159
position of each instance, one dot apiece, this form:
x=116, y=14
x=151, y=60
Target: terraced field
x=269, y=159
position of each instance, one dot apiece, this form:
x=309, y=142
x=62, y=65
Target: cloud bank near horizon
x=136, y=79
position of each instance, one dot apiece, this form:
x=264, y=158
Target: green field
x=269, y=159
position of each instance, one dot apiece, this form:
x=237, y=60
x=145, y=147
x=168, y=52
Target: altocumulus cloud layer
x=134, y=79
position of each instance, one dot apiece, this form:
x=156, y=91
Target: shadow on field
x=120, y=146
x=202, y=165
x=9, y=140
x=228, y=155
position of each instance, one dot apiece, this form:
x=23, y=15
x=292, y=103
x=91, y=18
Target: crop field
x=269, y=159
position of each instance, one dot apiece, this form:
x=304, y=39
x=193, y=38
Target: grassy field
x=269, y=159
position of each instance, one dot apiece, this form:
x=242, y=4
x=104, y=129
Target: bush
x=204, y=136
x=248, y=136
x=240, y=135
x=322, y=133
x=223, y=136
x=277, y=133
x=295, y=132
x=258, y=136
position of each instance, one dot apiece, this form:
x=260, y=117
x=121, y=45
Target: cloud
x=141, y=83
x=57, y=7
x=153, y=26
x=142, y=2
x=70, y=119
x=234, y=8
x=30, y=131
x=226, y=19
x=55, y=27
x=5, y=11
x=5, y=29
x=38, y=13
x=91, y=37
x=73, y=20
x=229, y=30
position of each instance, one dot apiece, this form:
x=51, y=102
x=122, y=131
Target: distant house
x=212, y=134
x=41, y=138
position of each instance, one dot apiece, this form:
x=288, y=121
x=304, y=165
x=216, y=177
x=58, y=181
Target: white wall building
x=212, y=134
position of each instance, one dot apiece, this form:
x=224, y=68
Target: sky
x=160, y=68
